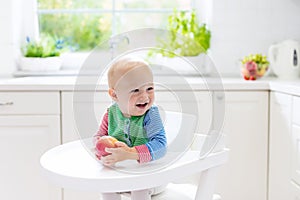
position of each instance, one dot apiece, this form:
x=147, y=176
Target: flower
x=254, y=66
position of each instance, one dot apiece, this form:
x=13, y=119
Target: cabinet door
x=295, y=175
x=81, y=116
x=70, y=130
x=295, y=168
x=23, y=139
x=244, y=176
x=279, y=146
x=295, y=191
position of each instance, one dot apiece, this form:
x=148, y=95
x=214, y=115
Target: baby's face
x=135, y=91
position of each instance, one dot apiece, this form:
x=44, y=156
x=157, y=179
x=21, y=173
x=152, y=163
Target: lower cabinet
x=295, y=191
x=284, y=167
x=23, y=139
x=244, y=176
x=29, y=126
x=81, y=114
x=280, y=146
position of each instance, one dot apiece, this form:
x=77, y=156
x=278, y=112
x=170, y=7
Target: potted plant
x=186, y=37
x=42, y=54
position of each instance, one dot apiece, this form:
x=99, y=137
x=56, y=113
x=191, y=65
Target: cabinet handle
x=7, y=104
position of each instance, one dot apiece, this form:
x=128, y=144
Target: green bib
x=127, y=130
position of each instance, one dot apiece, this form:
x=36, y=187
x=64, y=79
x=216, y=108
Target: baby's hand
x=120, y=153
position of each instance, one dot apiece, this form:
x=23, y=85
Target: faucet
x=115, y=42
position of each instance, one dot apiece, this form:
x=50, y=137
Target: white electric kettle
x=284, y=59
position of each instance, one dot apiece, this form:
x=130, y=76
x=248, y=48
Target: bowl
x=252, y=70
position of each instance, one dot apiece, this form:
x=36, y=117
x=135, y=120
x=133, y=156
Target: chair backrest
x=180, y=129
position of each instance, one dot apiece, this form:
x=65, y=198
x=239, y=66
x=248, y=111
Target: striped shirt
x=156, y=145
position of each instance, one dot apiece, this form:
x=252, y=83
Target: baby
x=133, y=119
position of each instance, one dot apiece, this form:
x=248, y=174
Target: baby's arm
x=157, y=141
x=103, y=130
x=139, y=153
x=122, y=152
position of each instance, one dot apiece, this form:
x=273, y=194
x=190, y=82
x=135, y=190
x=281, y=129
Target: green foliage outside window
x=81, y=32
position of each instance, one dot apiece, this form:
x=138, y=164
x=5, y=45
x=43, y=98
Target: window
x=85, y=23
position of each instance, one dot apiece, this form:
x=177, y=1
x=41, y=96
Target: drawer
x=296, y=110
x=24, y=103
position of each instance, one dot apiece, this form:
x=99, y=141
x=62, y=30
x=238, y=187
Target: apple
x=252, y=78
x=246, y=77
x=105, y=142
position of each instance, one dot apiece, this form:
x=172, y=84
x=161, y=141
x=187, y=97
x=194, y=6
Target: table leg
x=206, y=184
x=141, y=195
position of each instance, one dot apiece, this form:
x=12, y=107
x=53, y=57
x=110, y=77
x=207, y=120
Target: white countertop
x=69, y=83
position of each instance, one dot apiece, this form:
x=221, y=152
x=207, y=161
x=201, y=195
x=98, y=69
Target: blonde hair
x=121, y=67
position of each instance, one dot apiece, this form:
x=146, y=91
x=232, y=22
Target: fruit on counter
x=251, y=66
x=254, y=66
x=105, y=142
x=257, y=58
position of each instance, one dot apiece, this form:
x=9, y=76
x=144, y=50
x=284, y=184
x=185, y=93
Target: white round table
x=71, y=166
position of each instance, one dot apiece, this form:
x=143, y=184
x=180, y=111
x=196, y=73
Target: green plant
x=45, y=46
x=187, y=37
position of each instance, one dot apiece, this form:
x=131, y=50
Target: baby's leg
x=141, y=195
x=111, y=196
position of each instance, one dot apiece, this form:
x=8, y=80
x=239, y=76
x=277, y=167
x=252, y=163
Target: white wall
x=6, y=38
x=241, y=27
x=13, y=16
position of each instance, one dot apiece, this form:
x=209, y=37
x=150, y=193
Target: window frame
x=34, y=27
x=114, y=11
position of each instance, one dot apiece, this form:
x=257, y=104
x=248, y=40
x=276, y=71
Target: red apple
x=105, y=142
x=252, y=78
x=246, y=77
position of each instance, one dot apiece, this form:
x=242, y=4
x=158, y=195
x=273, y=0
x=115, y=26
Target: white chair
x=71, y=166
x=187, y=188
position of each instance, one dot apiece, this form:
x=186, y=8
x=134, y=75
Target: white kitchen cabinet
x=29, y=125
x=83, y=103
x=280, y=146
x=244, y=176
x=295, y=191
x=81, y=115
x=295, y=164
x=284, y=176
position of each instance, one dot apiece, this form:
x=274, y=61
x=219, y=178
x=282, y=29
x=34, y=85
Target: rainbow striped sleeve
x=157, y=141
